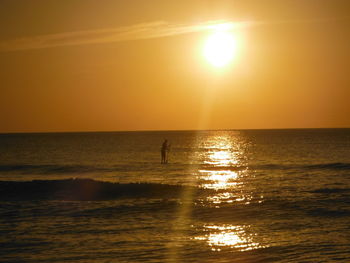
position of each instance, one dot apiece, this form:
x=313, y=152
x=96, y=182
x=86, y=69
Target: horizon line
x=170, y=130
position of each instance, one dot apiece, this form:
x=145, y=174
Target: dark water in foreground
x=225, y=196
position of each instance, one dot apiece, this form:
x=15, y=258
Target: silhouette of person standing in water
x=164, y=152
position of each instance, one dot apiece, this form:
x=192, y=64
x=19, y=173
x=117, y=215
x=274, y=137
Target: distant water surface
x=224, y=196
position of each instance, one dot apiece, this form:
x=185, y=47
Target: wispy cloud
x=150, y=30
x=134, y=32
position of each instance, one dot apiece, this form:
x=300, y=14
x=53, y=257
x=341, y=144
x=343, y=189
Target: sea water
x=224, y=196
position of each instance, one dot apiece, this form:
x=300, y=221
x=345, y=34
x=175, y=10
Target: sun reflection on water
x=222, y=157
x=224, y=170
x=221, y=160
x=228, y=197
x=218, y=179
x=229, y=236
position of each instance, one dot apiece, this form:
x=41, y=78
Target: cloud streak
x=150, y=30
x=126, y=33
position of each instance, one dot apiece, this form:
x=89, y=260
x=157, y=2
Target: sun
x=220, y=48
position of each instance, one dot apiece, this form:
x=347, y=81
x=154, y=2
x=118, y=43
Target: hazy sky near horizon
x=105, y=65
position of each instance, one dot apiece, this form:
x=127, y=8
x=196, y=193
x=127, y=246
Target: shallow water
x=225, y=196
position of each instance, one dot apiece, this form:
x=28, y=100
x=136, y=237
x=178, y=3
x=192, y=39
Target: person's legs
x=163, y=157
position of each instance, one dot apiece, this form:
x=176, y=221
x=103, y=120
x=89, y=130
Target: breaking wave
x=86, y=189
x=84, y=169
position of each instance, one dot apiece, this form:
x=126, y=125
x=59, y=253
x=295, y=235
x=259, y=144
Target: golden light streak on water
x=219, y=167
x=229, y=236
x=218, y=179
x=221, y=158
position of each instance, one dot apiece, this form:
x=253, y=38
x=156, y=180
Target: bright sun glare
x=220, y=48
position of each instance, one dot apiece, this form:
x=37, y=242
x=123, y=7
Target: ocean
x=224, y=196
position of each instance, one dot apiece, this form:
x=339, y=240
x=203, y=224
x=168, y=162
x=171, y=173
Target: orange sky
x=84, y=65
